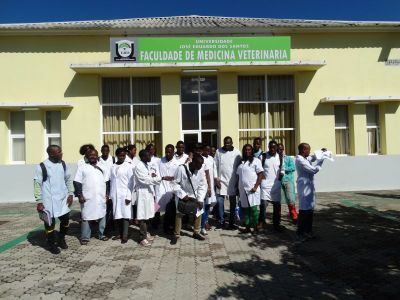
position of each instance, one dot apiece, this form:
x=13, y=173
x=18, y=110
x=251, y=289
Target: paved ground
x=355, y=257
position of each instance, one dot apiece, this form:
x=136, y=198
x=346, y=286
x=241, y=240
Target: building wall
x=36, y=69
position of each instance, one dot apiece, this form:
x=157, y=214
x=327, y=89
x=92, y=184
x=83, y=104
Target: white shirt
x=181, y=159
x=271, y=185
x=226, y=163
x=165, y=190
x=93, y=180
x=209, y=164
x=305, y=181
x=121, y=183
x=248, y=174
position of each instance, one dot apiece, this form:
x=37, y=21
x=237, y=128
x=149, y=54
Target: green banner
x=200, y=49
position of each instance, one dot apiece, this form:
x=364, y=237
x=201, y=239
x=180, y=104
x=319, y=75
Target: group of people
x=115, y=192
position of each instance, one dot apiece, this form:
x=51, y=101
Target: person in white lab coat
x=271, y=185
x=165, y=197
x=306, y=190
x=53, y=190
x=133, y=160
x=82, y=151
x=190, y=182
x=105, y=162
x=250, y=173
x=210, y=200
x=153, y=166
x=91, y=188
x=227, y=159
x=180, y=154
x=145, y=181
x=121, y=187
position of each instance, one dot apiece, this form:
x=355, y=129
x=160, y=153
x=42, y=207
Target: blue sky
x=26, y=11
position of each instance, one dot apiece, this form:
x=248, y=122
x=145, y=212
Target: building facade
x=329, y=83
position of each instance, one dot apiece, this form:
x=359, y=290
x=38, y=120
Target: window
x=131, y=112
x=342, y=129
x=266, y=110
x=373, y=129
x=53, y=128
x=17, y=137
x=199, y=99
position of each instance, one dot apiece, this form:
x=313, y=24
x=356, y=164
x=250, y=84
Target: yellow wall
x=36, y=69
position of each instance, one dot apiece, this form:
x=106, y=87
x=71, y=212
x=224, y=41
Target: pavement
x=355, y=256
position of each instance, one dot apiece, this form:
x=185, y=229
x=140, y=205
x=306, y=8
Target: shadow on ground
x=355, y=257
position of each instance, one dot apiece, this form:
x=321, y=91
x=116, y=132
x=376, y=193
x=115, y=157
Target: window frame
x=266, y=101
x=199, y=104
x=12, y=137
x=131, y=105
x=378, y=135
x=347, y=128
x=47, y=135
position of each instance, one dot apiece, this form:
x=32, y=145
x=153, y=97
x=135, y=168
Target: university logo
x=124, y=50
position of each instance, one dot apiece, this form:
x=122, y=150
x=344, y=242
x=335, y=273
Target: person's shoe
x=174, y=240
x=203, y=232
x=310, y=236
x=245, y=230
x=279, y=228
x=301, y=238
x=124, y=240
x=54, y=249
x=199, y=237
x=208, y=227
x=144, y=243
x=84, y=242
x=149, y=237
x=255, y=231
x=231, y=227
x=104, y=238
x=116, y=237
x=219, y=226
x=62, y=244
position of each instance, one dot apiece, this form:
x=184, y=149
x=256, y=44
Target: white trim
x=11, y=137
x=367, y=99
x=129, y=132
x=82, y=67
x=269, y=129
x=34, y=104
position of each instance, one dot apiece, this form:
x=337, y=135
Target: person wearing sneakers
x=271, y=185
x=121, y=187
x=250, y=174
x=53, y=190
x=288, y=187
x=91, y=182
x=190, y=182
x=145, y=181
x=210, y=200
x=306, y=190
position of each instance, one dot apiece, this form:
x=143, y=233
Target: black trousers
x=64, y=225
x=123, y=227
x=305, y=221
x=110, y=227
x=143, y=230
x=169, y=216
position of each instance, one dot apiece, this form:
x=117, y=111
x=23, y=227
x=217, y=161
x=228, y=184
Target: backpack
x=44, y=170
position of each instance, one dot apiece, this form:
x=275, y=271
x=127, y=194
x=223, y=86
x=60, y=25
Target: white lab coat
x=181, y=159
x=121, y=187
x=271, y=185
x=133, y=162
x=226, y=163
x=209, y=164
x=305, y=181
x=182, y=187
x=54, y=189
x=93, y=182
x=248, y=174
x=165, y=190
x=145, y=196
x=106, y=164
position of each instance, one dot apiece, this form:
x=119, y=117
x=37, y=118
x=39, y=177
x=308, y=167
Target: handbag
x=188, y=206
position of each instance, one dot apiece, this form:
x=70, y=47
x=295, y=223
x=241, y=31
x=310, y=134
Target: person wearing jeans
x=91, y=188
x=86, y=230
x=227, y=159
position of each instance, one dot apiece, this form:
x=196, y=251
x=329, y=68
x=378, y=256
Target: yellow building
x=329, y=83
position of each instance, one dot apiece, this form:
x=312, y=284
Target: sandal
x=84, y=242
x=144, y=243
x=104, y=238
